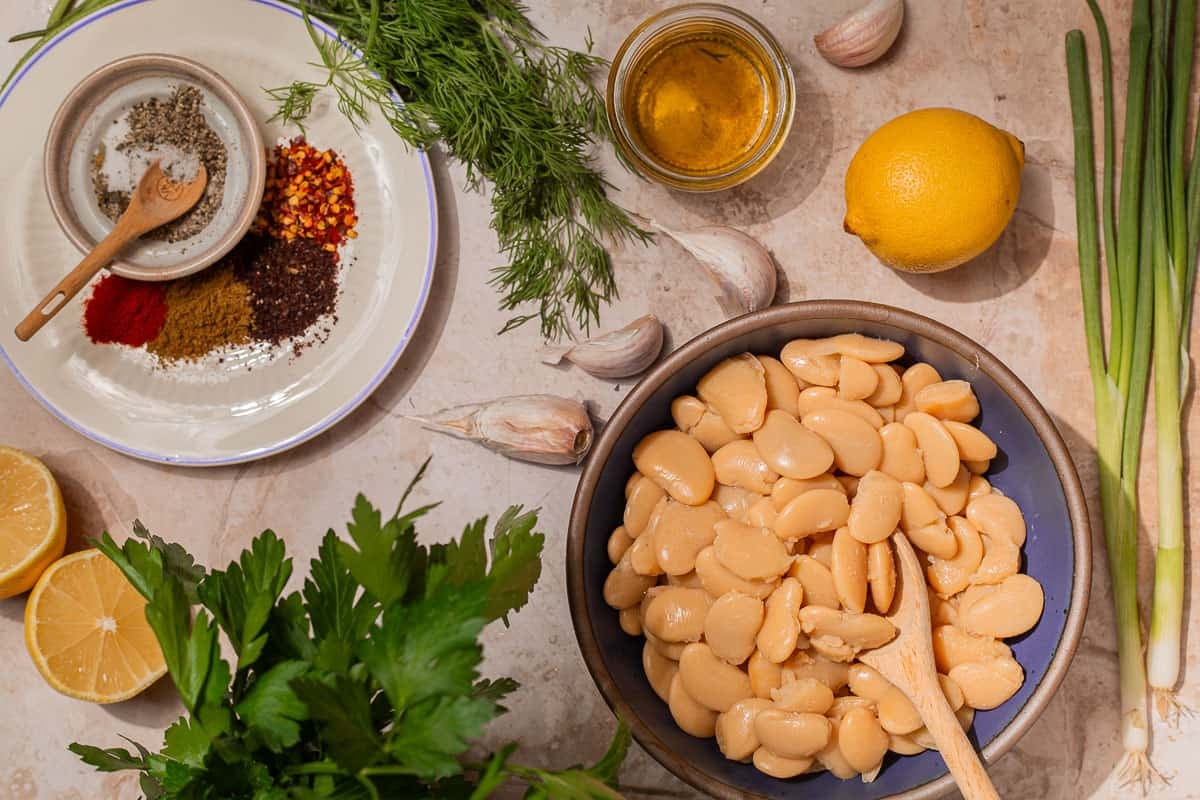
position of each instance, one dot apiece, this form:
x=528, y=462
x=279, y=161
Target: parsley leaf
x=241, y=597
x=516, y=562
x=432, y=734
x=186, y=743
x=342, y=708
x=175, y=561
x=329, y=596
x=271, y=709
x=189, y=654
x=112, y=759
x=384, y=559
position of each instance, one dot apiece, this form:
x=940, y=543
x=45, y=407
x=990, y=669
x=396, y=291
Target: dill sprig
x=521, y=115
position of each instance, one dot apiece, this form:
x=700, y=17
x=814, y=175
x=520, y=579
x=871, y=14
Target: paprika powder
x=124, y=311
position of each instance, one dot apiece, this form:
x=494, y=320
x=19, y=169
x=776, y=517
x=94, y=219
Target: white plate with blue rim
x=246, y=402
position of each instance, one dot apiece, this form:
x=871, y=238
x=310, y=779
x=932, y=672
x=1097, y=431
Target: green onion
x=1120, y=376
x=1174, y=259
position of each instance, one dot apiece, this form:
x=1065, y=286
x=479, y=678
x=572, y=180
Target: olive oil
x=699, y=99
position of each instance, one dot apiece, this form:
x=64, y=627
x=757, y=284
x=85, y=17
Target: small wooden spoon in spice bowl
x=156, y=201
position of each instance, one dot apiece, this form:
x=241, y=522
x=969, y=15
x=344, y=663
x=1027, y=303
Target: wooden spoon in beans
x=156, y=201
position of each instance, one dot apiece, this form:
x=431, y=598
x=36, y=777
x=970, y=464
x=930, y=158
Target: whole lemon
x=933, y=188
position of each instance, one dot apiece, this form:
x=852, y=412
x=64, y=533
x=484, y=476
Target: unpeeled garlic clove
x=616, y=354
x=741, y=267
x=541, y=428
x=864, y=36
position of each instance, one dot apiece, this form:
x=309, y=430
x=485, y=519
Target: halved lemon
x=86, y=629
x=33, y=522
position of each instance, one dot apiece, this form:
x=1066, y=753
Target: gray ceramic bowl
x=1034, y=468
x=92, y=107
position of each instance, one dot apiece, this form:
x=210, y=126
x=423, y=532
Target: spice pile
x=279, y=286
x=172, y=131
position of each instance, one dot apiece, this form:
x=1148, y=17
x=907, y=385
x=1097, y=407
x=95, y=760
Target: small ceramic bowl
x=1034, y=468
x=99, y=101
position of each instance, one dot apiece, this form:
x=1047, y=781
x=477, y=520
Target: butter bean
x=675, y=613
x=846, y=703
x=692, y=717
x=874, y=351
x=954, y=400
x=718, y=579
x=802, y=360
x=988, y=684
x=750, y=553
x=952, y=691
x=677, y=463
x=807, y=695
x=671, y=650
x=823, y=398
x=901, y=459
x=919, y=509
x=689, y=580
x=875, y=512
x=792, y=734
x=630, y=620
x=881, y=575
x=973, y=444
x=936, y=539
x=618, y=543
x=776, y=639
x=977, y=486
x=782, y=389
x=820, y=547
x=903, y=745
x=812, y=512
x=896, y=713
x=737, y=390
x=739, y=464
x=1007, y=609
x=951, y=499
x=832, y=758
x=642, y=556
x=942, y=611
x=681, y=532
x=953, y=646
x=736, y=738
x=631, y=482
x=639, y=505
x=998, y=516
x=713, y=683
x=731, y=626
x=849, y=569
x=862, y=740
x=888, y=389
x=779, y=767
x=859, y=631
x=790, y=449
x=817, y=580
x=1001, y=559
x=785, y=490
x=624, y=588
x=660, y=671
x=857, y=379
x=951, y=575
x=803, y=665
x=977, y=467
x=761, y=515
x=700, y=422
x=857, y=448
x=887, y=414
x=914, y=379
x=734, y=500
x=938, y=450
x=764, y=674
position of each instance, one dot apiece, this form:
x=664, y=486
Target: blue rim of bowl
x=857, y=310
x=330, y=420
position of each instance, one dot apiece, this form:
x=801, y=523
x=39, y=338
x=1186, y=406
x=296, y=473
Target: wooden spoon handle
x=102, y=255
x=956, y=748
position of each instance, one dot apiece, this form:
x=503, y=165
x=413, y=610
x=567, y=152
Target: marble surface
x=1001, y=60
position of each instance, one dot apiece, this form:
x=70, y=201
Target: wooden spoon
x=156, y=201
x=907, y=661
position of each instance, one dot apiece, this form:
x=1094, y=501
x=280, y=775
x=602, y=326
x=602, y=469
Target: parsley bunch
x=363, y=685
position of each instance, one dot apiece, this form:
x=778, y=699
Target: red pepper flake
x=303, y=184
x=123, y=311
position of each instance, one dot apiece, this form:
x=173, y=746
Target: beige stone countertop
x=1001, y=60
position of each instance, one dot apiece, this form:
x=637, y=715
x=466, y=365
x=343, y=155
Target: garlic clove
x=541, y=428
x=740, y=266
x=864, y=36
x=616, y=354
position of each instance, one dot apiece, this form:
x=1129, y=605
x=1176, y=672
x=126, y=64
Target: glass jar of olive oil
x=700, y=97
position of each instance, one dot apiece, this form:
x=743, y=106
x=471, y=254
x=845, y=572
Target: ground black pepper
x=176, y=121
x=293, y=285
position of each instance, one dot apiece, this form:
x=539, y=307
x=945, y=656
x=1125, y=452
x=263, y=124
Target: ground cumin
x=204, y=312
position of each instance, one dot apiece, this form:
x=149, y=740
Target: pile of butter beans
x=755, y=554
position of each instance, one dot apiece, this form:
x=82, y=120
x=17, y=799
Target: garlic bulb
x=741, y=267
x=864, y=36
x=616, y=354
x=540, y=428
